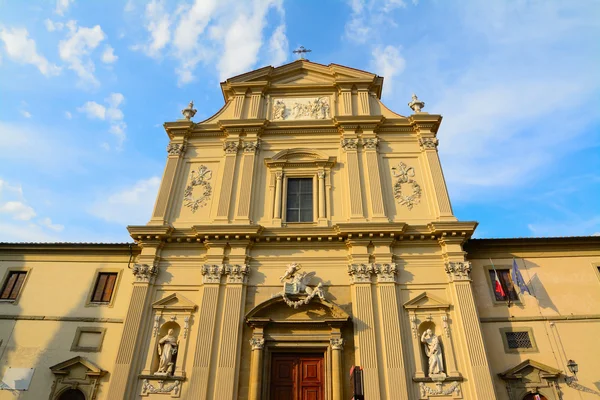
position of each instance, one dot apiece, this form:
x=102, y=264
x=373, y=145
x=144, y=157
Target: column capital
x=257, y=343
x=349, y=144
x=145, y=273
x=360, y=273
x=251, y=146
x=386, y=272
x=176, y=149
x=337, y=343
x=371, y=143
x=211, y=273
x=231, y=146
x=236, y=273
x=458, y=270
x=429, y=143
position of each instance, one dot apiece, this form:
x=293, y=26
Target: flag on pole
x=498, y=286
x=518, y=278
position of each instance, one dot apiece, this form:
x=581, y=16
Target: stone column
x=278, y=189
x=206, y=329
x=321, y=197
x=374, y=176
x=353, y=173
x=231, y=149
x=123, y=378
x=256, y=367
x=458, y=272
x=247, y=177
x=231, y=329
x=337, y=383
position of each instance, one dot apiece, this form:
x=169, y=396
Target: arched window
x=72, y=394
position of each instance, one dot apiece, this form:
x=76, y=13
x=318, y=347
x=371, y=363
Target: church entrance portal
x=297, y=377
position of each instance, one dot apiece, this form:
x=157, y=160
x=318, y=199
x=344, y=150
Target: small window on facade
x=299, y=200
x=105, y=285
x=13, y=285
x=507, y=285
x=518, y=340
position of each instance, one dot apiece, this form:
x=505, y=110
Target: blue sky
x=86, y=85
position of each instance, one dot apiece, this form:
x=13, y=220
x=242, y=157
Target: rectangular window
x=13, y=285
x=105, y=285
x=507, y=285
x=518, y=340
x=299, y=200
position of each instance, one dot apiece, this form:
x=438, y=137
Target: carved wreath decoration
x=404, y=174
x=198, y=179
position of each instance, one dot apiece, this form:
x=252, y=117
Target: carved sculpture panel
x=300, y=108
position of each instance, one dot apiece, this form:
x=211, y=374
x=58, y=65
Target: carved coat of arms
x=295, y=283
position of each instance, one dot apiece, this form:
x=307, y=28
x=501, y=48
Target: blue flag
x=518, y=278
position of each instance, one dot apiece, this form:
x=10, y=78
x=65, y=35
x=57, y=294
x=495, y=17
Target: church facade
x=302, y=232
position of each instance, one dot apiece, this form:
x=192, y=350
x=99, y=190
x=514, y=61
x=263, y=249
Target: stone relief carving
x=186, y=326
x=433, y=350
x=360, y=273
x=167, y=350
x=175, y=148
x=337, y=344
x=296, y=283
x=257, y=343
x=148, y=388
x=199, y=179
x=156, y=325
x=212, y=273
x=453, y=389
x=231, y=147
x=446, y=326
x=458, y=270
x=349, y=144
x=404, y=175
x=236, y=273
x=144, y=272
x=428, y=143
x=251, y=147
x=301, y=108
x=386, y=272
x=371, y=143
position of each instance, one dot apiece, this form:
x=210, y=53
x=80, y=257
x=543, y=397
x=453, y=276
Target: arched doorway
x=534, y=396
x=72, y=394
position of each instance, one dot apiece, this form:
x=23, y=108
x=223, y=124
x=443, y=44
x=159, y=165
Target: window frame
x=90, y=302
x=491, y=285
x=529, y=330
x=88, y=329
x=5, y=278
x=313, y=197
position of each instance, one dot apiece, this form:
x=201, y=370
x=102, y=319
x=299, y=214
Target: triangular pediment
x=426, y=301
x=527, y=367
x=174, y=302
x=65, y=367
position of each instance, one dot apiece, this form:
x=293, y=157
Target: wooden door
x=297, y=377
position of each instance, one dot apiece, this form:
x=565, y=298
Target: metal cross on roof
x=301, y=51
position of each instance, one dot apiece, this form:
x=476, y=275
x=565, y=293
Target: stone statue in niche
x=433, y=350
x=167, y=349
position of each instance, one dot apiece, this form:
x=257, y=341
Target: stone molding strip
x=542, y=318
x=68, y=319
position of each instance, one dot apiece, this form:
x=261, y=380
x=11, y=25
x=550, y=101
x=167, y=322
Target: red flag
x=498, y=286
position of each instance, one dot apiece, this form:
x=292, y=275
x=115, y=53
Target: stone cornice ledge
x=178, y=128
x=359, y=229
x=453, y=229
x=150, y=232
x=232, y=231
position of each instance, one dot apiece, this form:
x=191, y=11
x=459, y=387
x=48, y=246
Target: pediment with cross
x=426, y=301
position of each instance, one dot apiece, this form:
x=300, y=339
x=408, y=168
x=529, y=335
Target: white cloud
x=47, y=222
x=278, y=46
x=93, y=110
x=109, y=57
x=52, y=26
x=68, y=115
x=26, y=114
x=129, y=6
x=20, y=48
x=131, y=205
x=111, y=113
x=158, y=25
x=75, y=50
x=17, y=210
x=62, y=6
x=388, y=63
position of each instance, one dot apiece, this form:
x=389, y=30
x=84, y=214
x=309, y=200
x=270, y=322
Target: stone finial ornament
x=416, y=105
x=189, y=112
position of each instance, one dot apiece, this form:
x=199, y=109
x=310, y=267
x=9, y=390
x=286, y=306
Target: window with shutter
x=13, y=285
x=105, y=285
x=507, y=284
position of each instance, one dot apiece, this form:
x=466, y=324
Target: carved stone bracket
x=211, y=273
x=176, y=148
x=371, y=143
x=458, y=270
x=257, y=343
x=428, y=143
x=386, y=272
x=251, y=147
x=236, y=273
x=231, y=147
x=404, y=176
x=349, y=144
x=337, y=344
x=199, y=179
x=162, y=387
x=439, y=390
x=144, y=272
x=360, y=273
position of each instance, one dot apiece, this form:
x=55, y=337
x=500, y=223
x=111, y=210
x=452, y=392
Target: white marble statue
x=433, y=349
x=167, y=348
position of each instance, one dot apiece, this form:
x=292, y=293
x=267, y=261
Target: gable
x=531, y=371
x=174, y=301
x=425, y=301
